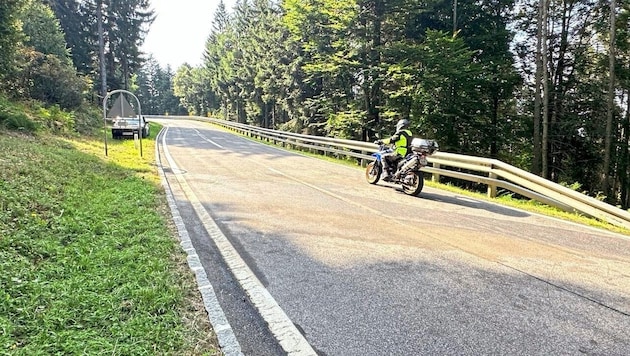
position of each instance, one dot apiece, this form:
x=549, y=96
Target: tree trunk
x=536, y=152
x=454, y=17
x=374, y=63
x=101, y=47
x=556, y=98
x=494, y=146
x=125, y=67
x=545, y=94
x=624, y=169
x=611, y=102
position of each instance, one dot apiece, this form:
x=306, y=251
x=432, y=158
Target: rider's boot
x=385, y=175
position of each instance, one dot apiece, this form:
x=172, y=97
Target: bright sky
x=180, y=30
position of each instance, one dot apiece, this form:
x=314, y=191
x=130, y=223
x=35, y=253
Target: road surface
x=359, y=269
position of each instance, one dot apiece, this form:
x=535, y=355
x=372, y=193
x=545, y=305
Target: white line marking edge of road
x=283, y=329
x=225, y=335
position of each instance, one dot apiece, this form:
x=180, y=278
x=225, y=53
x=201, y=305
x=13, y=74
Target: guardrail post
x=435, y=177
x=492, y=189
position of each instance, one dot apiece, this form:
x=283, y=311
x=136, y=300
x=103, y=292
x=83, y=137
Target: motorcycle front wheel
x=373, y=172
x=413, y=183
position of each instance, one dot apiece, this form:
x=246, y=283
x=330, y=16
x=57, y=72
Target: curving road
x=362, y=269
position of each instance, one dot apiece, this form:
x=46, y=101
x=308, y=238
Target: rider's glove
x=378, y=142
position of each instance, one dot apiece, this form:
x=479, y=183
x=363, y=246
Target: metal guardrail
x=491, y=172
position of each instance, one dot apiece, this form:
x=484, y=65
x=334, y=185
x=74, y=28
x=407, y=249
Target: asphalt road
x=362, y=269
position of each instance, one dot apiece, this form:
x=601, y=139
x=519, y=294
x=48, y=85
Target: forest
x=541, y=84
x=530, y=82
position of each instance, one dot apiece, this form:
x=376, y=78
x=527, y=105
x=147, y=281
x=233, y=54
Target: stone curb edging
x=225, y=335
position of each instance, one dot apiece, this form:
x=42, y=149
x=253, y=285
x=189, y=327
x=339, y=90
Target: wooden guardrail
x=491, y=172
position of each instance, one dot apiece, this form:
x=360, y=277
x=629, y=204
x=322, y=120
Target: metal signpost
x=120, y=108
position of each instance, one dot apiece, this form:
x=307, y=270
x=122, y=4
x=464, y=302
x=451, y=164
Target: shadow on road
x=474, y=204
x=421, y=301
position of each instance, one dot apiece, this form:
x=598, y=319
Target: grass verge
x=88, y=260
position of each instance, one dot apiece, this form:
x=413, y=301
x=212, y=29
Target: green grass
x=88, y=261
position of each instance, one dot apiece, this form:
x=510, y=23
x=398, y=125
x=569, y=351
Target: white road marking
x=283, y=329
x=206, y=139
x=225, y=335
x=327, y=192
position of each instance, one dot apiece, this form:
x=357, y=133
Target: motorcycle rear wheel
x=413, y=183
x=373, y=172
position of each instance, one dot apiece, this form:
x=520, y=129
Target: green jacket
x=402, y=140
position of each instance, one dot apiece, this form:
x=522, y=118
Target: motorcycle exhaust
x=412, y=163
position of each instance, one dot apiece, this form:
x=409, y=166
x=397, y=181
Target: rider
x=402, y=140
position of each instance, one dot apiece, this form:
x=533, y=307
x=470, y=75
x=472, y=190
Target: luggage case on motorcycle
x=422, y=145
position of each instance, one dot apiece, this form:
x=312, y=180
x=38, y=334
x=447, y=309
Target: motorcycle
x=407, y=170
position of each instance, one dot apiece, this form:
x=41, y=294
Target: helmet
x=402, y=124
